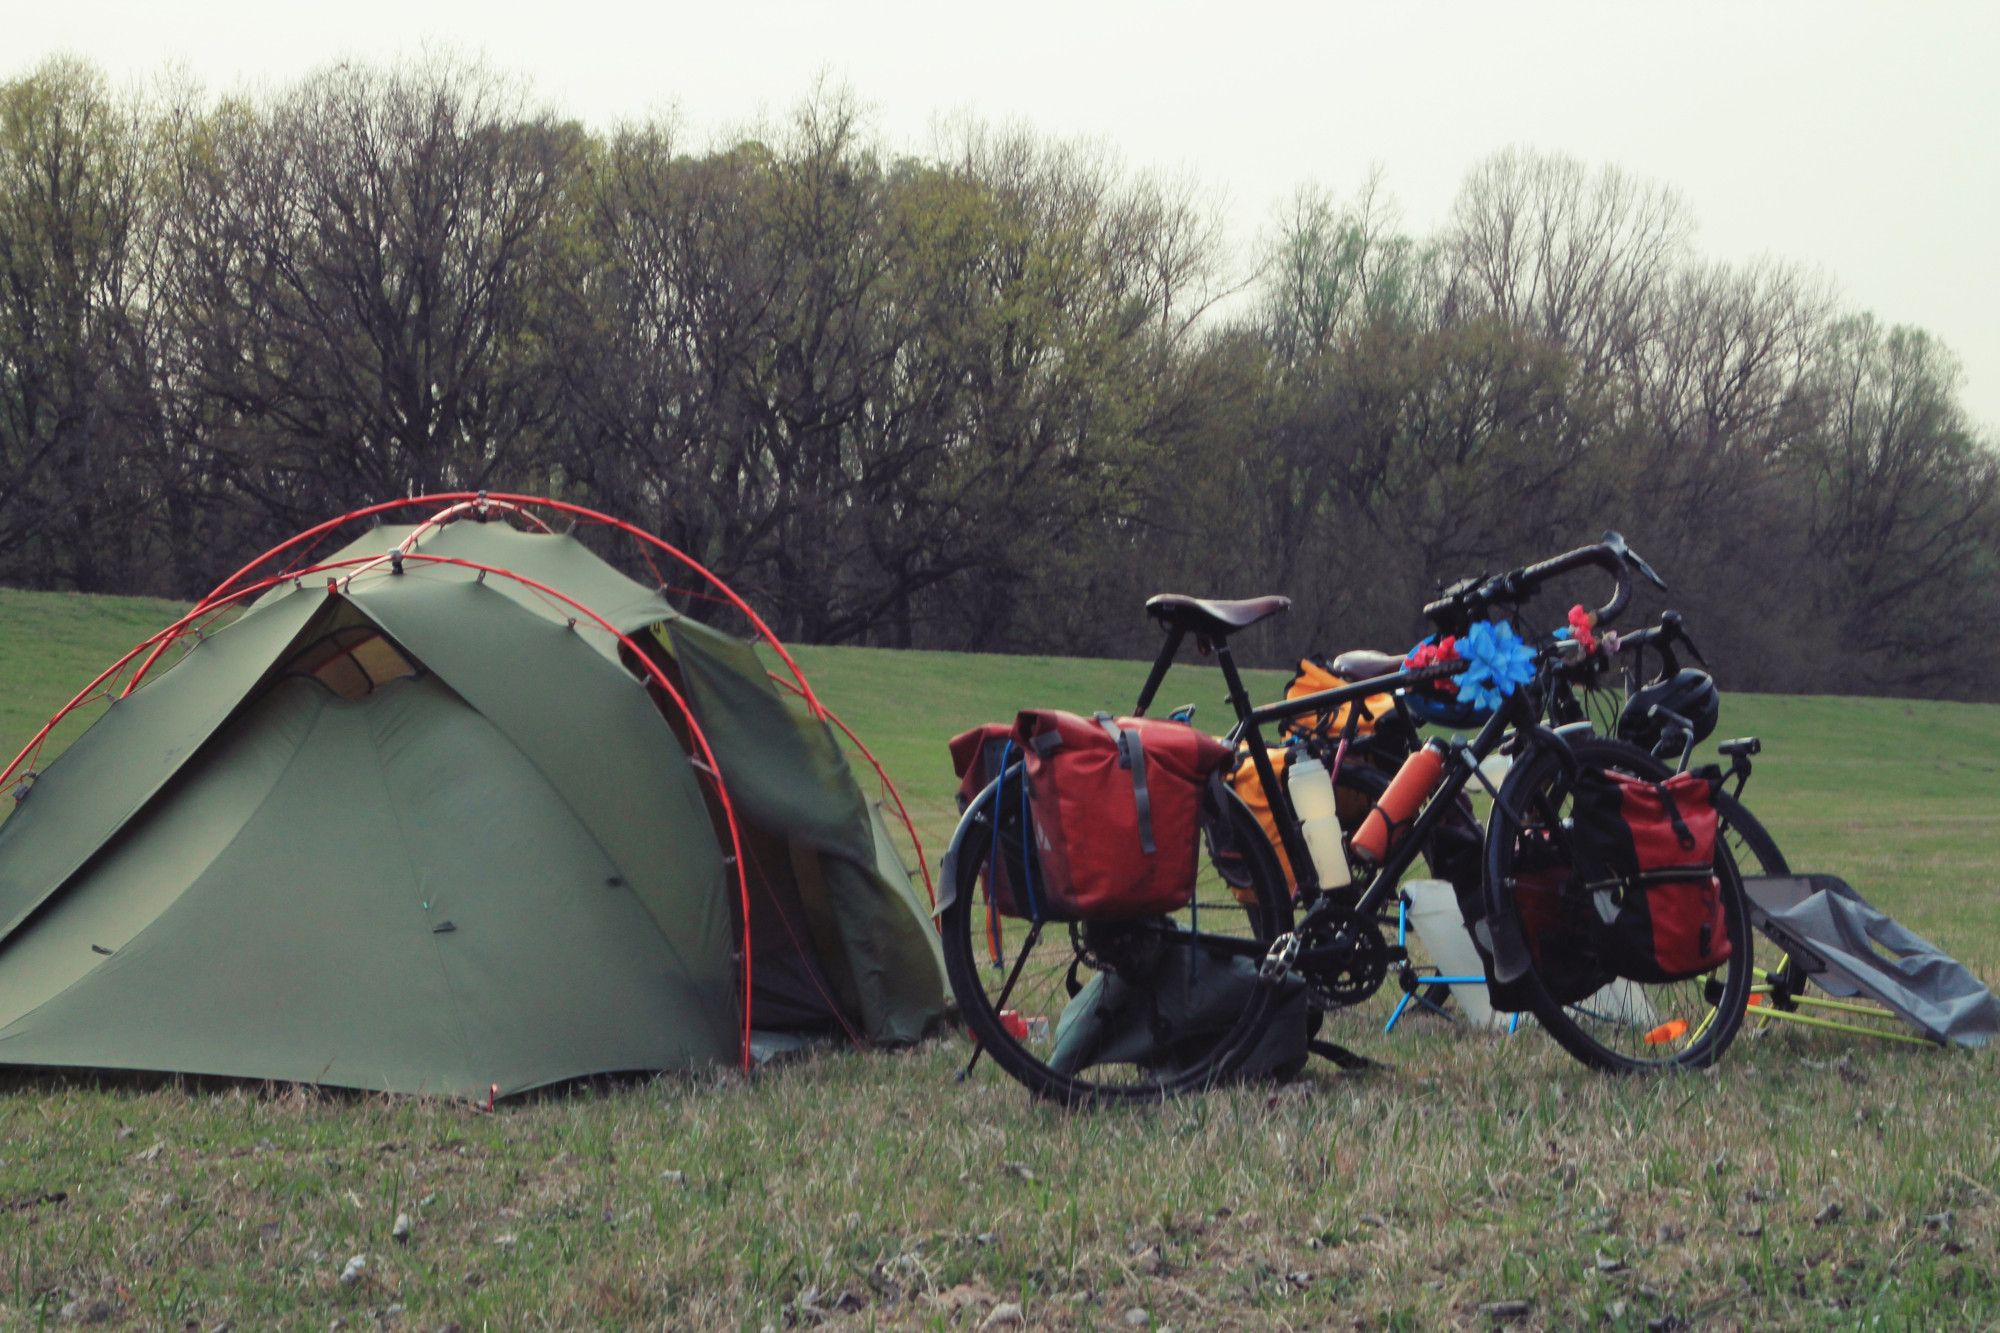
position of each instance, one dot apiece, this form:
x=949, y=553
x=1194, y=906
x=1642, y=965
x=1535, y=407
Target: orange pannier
x=1350, y=805
x=1315, y=674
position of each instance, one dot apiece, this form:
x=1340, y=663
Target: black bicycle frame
x=1250, y=718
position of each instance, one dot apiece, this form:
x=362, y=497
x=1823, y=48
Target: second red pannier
x=1116, y=806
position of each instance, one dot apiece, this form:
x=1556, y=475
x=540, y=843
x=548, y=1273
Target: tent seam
x=562, y=797
x=403, y=844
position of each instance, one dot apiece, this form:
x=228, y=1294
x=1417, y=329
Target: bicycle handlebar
x=1474, y=596
x=1661, y=638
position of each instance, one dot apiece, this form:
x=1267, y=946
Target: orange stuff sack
x=1349, y=805
x=1315, y=674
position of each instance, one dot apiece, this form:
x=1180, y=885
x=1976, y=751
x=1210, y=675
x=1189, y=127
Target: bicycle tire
x=1623, y=1026
x=1756, y=853
x=1040, y=963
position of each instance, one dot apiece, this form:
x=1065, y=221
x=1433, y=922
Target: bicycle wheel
x=1612, y=1023
x=1014, y=979
x=1774, y=977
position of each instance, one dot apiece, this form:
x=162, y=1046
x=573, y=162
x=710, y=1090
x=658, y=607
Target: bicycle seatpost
x=1168, y=651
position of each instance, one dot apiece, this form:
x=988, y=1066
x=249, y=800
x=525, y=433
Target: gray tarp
x=1849, y=947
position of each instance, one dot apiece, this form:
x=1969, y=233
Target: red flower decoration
x=1432, y=654
x=1583, y=627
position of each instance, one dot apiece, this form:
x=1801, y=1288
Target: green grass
x=51, y=646
x=1812, y=1181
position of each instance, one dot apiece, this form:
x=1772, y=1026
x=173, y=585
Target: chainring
x=1350, y=959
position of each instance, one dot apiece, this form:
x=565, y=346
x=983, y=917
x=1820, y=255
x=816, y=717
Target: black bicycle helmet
x=1687, y=694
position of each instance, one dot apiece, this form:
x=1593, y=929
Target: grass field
x=1812, y=1181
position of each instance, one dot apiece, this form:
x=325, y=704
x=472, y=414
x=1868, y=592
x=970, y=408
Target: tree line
x=986, y=397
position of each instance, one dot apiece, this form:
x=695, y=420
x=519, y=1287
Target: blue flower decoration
x=1501, y=664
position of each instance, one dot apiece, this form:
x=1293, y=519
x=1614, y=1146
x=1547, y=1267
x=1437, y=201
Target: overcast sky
x=1862, y=141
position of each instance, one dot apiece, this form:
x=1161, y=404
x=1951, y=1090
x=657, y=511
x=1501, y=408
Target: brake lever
x=1688, y=640
x=1615, y=542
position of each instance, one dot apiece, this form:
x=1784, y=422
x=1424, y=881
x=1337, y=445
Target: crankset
x=1345, y=961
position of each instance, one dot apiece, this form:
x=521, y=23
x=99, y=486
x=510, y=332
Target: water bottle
x=1408, y=790
x=1312, y=798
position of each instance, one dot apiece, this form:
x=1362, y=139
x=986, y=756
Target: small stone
x=400, y=1233
x=1300, y=1279
x=1003, y=1316
x=1138, y=1317
x=1506, y=1309
x=1608, y=1264
x=356, y=1268
x=986, y=1238
x=674, y=1177
x=1828, y=1214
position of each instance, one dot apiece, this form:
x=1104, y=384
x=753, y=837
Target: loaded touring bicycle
x=1092, y=1001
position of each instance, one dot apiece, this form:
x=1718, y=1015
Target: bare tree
x=73, y=375
x=362, y=262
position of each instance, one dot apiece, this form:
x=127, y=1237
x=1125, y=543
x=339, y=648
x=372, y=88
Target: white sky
x=1860, y=140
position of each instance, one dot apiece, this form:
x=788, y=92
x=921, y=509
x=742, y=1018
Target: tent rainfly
x=456, y=808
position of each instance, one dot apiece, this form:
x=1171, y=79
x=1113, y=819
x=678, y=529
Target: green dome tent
x=458, y=808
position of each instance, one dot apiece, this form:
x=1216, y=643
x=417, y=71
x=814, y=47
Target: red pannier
x=1646, y=851
x=1116, y=806
x=1555, y=923
x=978, y=757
